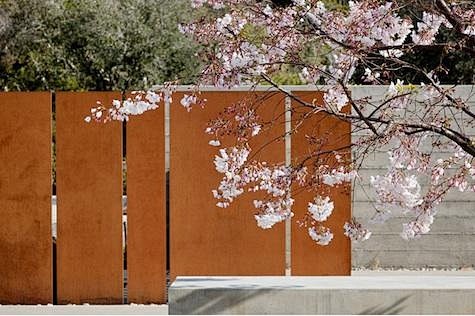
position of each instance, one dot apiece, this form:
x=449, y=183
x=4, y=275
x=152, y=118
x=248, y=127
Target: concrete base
x=383, y=294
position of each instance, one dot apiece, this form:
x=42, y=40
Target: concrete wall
x=450, y=243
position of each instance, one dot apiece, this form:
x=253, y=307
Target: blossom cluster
x=136, y=105
x=237, y=175
x=321, y=236
x=428, y=28
x=356, y=231
x=399, y=190
x=320, y=209
x=140, y=102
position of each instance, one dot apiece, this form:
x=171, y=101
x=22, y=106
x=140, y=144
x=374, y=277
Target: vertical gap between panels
x=288, y=162
x=167, y=188
x=54, y=207
x=124, y=209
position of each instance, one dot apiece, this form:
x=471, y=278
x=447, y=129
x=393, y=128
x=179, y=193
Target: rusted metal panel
x=89, y=192
x=25, y=198
x=146, y=216
x=205, y=239
x=309, y=258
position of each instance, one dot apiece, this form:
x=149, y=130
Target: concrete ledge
x=383, y=294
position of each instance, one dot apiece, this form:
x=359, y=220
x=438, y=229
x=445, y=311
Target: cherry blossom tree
x=251, y=41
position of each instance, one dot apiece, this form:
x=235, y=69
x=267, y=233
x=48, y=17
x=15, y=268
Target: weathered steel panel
x=89, y=193
x=146, y=216
x=205, y=239
x=309, y=258
x=25, y=198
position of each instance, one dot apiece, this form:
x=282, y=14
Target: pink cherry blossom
x=250, y=42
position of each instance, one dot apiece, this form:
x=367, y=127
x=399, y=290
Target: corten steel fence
x=188, y=235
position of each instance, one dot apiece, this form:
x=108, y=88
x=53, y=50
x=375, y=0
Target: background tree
x=73, y=45
x=93, y=45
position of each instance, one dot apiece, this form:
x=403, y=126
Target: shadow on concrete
x=245, y=299
x=392, y=309
x=214, y=301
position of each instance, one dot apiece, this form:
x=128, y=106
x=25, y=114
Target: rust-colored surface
x=89, y=192
x=309, y=258
x=146, y=217
x=205, y=239
x=25, y=198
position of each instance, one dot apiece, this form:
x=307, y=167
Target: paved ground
x=84, y=309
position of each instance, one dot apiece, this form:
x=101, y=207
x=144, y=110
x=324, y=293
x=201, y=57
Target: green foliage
x=93, y=44
x=340, y=5
x=253, y=34
x=287, y=78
